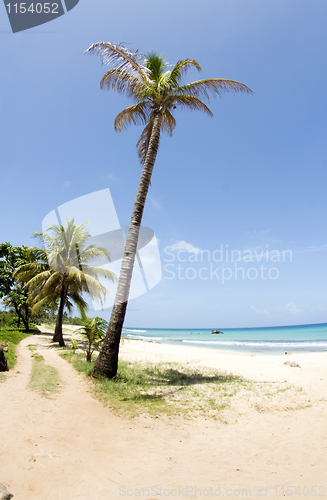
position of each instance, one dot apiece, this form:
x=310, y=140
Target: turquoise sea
x=270, y=340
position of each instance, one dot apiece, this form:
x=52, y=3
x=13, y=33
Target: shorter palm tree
x=94, y=329
x=63, y=270
x=74, y=344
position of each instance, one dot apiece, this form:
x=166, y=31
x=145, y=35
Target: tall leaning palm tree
x=156, y=90
x=63, y=271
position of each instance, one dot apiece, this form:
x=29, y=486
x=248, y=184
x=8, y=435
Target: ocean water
x=270, y=340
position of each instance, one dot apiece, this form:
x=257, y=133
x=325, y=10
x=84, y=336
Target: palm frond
x=53, y=281
x=96, y=290
x=75, y=237
x=83, y=314
x=137, y=114
x=46, y=240
x=189, y=101
x=213, y=86
x=124, y=83
x=169, y=80
x=92, y=252
x=155, y=65
x=181, y=67
x=78, y=300
x=32, y=280
x=168, y=123
x=119, y=57
x=74, y=274
x=38, y=303
x=25, y=272
x=99, y=272
x=144, y=140
x=40, y=255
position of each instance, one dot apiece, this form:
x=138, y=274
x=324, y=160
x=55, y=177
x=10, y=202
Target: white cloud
x=293, y=309
x=321, y=308
x=273, y=312
x=261, y=232
x=105, y=176
x=188, y=247
x=258, y=311
x=313, y=248
x=66, y=184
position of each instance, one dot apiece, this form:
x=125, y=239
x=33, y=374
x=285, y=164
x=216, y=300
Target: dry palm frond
x=190, y=102
x=213, y=86
x=123, y=82
x=181, y=67
x=137, y=114
x=168, y=123
x=118, y=56
x=144, y=140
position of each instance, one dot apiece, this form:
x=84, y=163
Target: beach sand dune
x=71, y=447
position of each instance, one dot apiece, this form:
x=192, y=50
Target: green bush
x=8, y=318
x=11, y=336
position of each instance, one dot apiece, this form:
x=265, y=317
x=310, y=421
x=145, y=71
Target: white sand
x=82, y=451
x=311, y=375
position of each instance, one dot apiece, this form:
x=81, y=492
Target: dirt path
x=71, y=447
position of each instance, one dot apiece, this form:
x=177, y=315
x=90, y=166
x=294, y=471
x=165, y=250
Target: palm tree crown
x=155, y=89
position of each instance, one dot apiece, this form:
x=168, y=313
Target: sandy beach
x=73, y=447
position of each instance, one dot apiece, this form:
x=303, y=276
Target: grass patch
x=164, y=388
x=44, y=378
x=179, y=389
x=12, y=337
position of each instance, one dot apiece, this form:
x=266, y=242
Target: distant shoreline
x=303, y=338
x=234, y=328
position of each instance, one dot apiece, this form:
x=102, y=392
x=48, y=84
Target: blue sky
x=253, y=177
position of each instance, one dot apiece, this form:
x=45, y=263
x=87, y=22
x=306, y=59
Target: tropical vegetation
x=63, y=272
x=94, y=330
x=12, y=293
x=9, y=339
x=156, y=90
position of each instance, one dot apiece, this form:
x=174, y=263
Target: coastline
x=267, y=443
x=265, y=340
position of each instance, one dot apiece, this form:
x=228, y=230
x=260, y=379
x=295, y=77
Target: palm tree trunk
x=26, y=325
x=107, y=362
x=21, y=318
x=26, y=318
x=57, y=337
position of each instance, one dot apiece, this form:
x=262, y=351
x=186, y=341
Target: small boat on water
x=216, y=331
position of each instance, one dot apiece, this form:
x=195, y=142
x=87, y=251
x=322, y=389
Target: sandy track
x=82, y=451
